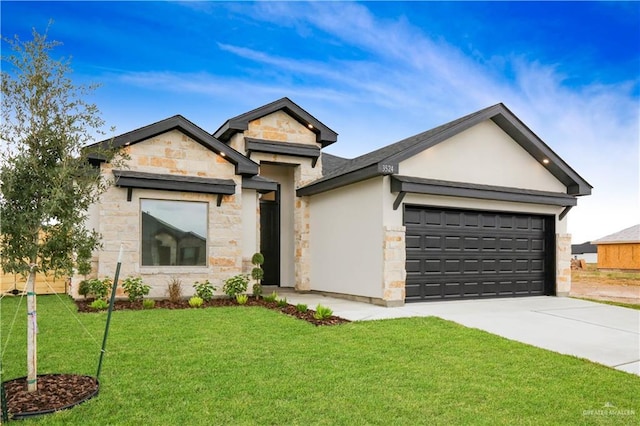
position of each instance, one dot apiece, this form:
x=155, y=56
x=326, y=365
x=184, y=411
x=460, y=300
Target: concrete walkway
x=605, y=334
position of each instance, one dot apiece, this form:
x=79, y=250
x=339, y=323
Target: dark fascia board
x=414, y=185
x=324, y=135
x=286, y=148
x=342, y=180
x=511, y=125
x=133, y=179
x=243, y=165
x=259, y=183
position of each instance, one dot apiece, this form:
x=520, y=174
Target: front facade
x=472, y=209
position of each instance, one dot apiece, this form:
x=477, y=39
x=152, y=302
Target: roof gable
x=324, y=135
x=386, y=160
x=242, y=164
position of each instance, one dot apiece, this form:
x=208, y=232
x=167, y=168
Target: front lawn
x=250, y=365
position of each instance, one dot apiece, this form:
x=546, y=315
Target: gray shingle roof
x=385, y=160
x=628, y=235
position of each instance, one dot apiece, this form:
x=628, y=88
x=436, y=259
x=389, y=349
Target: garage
x=465, y=254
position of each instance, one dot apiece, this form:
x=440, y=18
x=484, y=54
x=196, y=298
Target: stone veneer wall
x=563, y=264
x=120, y=220
x=394, y=265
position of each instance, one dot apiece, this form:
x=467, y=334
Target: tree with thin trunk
x=47, y=182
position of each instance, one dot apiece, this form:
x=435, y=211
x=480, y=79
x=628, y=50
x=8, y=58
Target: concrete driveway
x=605, y=334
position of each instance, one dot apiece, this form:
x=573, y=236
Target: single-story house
x=474, y=208
x=585, y=251
x=620, y=250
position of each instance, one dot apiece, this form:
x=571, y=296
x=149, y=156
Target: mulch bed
x=55, y=392
x=291, y=310
x=60, y=391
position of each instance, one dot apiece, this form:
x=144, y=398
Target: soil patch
x=609, y=292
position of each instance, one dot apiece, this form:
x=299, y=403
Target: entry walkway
x=605, y=334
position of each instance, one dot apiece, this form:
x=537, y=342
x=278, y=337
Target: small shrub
x=148, y=304
x=282, y=303
x=257, y=274
x=301, y=307
x=84, y=288
x=322, y=312
x=174, y=290
x=257, y=259
x=99, y=304
x=257, y=290
x=204, y=290
x=196, y=302
x=235, y=285
x=242, y=299
x=271, y=298
x=135, y=288
x=98, y=288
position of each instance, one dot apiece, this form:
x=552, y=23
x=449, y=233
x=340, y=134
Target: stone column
x=394, y=272
x=303, y=256
x=563, y=264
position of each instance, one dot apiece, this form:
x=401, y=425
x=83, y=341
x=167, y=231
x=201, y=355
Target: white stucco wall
x=483, y=154
x=346, y=240
x=250, y=228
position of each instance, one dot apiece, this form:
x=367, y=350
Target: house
x=475, y=208
x=620, y=250
x=585, y=251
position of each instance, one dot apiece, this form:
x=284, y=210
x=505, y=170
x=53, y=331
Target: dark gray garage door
x=454, y=254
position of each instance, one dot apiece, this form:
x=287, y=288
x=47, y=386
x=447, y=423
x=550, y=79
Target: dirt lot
x=614, y=286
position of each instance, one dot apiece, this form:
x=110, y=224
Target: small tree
x=47, y=181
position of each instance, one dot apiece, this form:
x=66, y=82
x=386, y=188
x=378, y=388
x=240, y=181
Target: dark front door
x=455, y=254
x=270, y=237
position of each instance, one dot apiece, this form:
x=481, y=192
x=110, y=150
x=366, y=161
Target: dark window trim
x=406, y=184
x=142, y=180
x=286, y=148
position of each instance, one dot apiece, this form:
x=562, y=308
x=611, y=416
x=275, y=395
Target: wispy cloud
x=416, y=81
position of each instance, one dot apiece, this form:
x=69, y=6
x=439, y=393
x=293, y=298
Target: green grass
x=248, y=365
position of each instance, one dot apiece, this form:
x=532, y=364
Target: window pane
x=173, y=233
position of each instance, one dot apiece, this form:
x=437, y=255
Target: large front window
x=174, y=233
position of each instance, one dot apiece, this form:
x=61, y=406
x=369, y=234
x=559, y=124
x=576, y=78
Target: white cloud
x=410, y=82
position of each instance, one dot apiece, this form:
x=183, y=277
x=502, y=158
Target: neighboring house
x=585, y=251
x=475, y=208
x=45, y=284
x=620, y=250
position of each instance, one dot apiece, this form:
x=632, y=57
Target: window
x=174, y=233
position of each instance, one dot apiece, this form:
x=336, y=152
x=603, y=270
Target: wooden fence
x=45, y=284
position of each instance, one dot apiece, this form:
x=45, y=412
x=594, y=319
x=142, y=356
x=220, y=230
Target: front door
x=270, y=236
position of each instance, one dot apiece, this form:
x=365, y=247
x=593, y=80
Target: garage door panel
x=468, y=254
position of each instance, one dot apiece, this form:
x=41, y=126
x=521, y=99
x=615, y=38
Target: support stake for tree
x=32, y=330
x=111, y=302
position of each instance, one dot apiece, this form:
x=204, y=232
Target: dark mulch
x=55, y=392
x=291, y=310
x=59, y=391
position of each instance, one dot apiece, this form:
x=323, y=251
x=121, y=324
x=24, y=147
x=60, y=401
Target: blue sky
x=374, y=72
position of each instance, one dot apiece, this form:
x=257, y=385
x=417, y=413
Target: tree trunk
x=32, y=330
